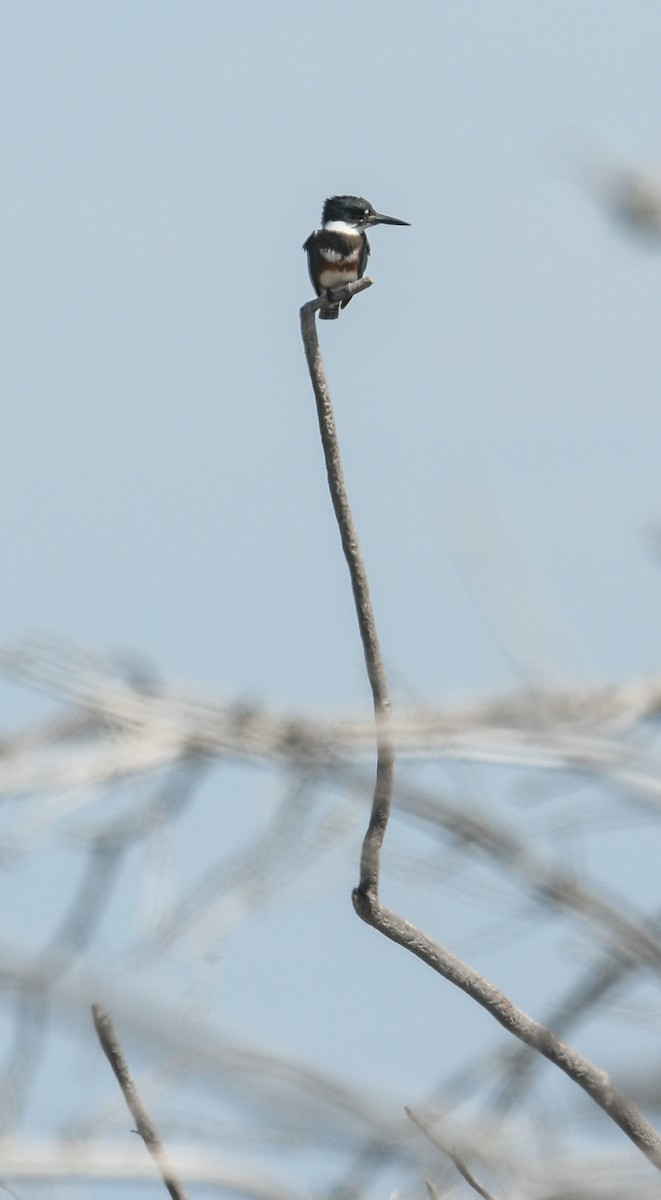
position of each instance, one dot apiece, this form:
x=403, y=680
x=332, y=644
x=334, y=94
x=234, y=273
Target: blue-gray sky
x=162, y=487
x=161, y=484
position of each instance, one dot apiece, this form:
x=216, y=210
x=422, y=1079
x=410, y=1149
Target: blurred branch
x=636, y=940
x=630, y=193
x=77, y=928
x=365, y=897
x=100, y=1161
x=122, y=731
x=245, y=881
x=458, y=1161
x=289, y=1091
x=511, y=602
x=146, y=1128
x=581, y=999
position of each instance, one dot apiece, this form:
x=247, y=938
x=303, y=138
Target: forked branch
x=366, y=895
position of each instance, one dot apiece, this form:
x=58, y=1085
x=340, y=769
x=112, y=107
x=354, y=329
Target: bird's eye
x=366, y=212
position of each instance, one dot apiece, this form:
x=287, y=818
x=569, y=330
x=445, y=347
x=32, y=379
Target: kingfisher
x=338, y=252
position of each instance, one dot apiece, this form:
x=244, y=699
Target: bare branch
x=385, y=766
x=580, y=1000
x=146, y=1128
x=458, y=1161
x=594, y=1081
x=336, y=294
x=365, y=897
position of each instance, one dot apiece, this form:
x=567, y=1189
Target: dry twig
x=146, y=1128
x=385, y=766
x=366, y=901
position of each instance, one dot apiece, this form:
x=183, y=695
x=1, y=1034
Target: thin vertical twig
x=145, y=1126
x=366, y=901
x=385, y=765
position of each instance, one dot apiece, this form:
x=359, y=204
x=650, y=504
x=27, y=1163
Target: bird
x=339, y=250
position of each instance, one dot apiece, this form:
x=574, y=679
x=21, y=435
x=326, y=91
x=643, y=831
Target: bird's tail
x=329, y=312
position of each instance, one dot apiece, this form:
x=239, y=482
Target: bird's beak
x=380, y=219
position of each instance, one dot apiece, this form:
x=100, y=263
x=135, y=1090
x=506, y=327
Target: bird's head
x=356, y=212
